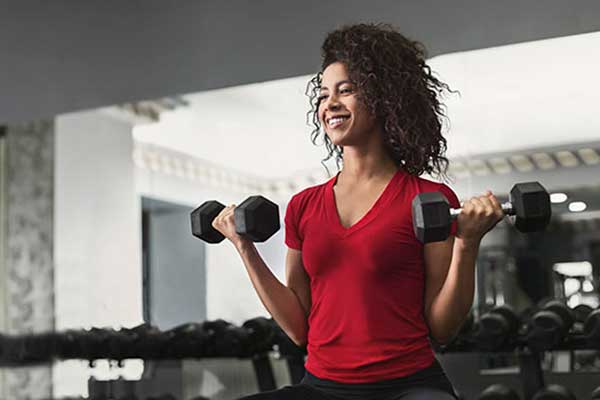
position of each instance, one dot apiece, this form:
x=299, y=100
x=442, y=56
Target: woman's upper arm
x=438, y=256
x=297, y=279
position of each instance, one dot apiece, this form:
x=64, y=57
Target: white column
x=98, y=272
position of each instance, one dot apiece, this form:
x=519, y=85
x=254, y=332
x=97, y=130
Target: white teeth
x=336, y=120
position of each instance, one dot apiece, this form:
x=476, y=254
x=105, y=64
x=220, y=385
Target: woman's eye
x=321, y=97
x=346, y=90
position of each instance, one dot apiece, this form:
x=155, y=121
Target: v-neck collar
x=382, y=200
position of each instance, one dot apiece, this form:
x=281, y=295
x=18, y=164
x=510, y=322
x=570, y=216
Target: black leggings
x=430, y=383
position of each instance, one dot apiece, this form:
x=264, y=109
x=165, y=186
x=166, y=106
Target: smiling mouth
x=334, y=122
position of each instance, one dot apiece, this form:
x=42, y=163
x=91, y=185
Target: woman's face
x=345, y=119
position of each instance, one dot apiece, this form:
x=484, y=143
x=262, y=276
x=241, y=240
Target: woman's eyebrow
x=337, y=84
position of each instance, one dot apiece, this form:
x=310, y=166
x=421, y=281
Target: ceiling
x=514, y=97
x=61, y=56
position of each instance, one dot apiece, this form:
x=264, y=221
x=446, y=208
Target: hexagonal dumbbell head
x=591, y=329
x=531, y=204
x=202, y=218
x=257, y=218
x=509, y=318
x=549, y=326
x=497, y=327
x=564, y=312
x=431, y=217
x=581, y=312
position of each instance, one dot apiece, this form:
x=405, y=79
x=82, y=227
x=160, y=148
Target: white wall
x=97, y=231
x=230, y=294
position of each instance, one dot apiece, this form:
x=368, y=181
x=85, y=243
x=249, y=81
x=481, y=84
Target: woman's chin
x=338, y=138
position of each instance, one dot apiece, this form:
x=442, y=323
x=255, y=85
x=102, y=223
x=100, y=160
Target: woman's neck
x=366, y=167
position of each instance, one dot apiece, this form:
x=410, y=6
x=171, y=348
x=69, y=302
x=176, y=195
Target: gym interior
x=119, y=120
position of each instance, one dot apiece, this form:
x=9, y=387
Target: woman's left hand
x=478, y=216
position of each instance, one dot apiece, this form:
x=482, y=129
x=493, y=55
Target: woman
x=362, y=293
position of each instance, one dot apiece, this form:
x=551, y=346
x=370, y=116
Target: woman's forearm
x=279, y=300
x=454, y=300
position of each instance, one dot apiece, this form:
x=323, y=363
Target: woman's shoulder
x=430, y=185
x=307, y=198
x=310, y=192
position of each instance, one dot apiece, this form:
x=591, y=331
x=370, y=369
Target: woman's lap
x=424, y=394
x=293, y=392
x=306, y=392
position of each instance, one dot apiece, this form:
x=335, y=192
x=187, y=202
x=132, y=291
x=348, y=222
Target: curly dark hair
x=397, y=86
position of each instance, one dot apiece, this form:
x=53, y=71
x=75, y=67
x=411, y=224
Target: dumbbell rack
x=463, y=366
x=532, y=376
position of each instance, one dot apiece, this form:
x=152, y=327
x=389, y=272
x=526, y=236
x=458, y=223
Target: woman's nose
x=334, y=106
x=332, y=103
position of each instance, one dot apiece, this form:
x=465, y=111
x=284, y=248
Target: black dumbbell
x=591, y=328
x=498, y=391
x=529, y=202
x=225, y=339
x=496, y=327
x=549, y=326
x=126, y=343
x=256, y=218
x=149, y=342
x=69, y=344
x=96, y=343
x=38, y=347
x=261, y=335
x=581, y=312
x=554, y=392
x=187, y=340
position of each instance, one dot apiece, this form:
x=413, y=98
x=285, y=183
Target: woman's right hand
x=225, y=223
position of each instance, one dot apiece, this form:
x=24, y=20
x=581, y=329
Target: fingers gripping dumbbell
x=256, y=218
x=529, y=202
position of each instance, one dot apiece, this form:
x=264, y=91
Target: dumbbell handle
x=506, y=207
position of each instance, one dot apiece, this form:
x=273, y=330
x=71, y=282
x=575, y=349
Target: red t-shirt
x=366, y=322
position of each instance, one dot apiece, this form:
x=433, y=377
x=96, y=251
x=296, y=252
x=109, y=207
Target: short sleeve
x=454, y=203
x=292, y=235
